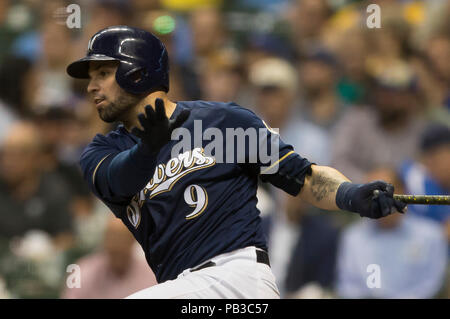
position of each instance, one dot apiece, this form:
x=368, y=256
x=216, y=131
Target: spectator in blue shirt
x=430, y=174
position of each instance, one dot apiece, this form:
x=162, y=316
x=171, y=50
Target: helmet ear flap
x=132, y=79
x=136, y=75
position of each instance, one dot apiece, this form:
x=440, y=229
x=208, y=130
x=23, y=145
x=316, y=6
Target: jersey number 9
x=196, y=197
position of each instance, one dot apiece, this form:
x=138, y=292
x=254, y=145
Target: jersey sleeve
x=272, y=159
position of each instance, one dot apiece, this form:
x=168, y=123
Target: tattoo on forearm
x=322, y=186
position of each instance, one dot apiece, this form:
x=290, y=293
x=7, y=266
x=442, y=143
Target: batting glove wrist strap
x=144, y=150
x=156, y=127
x=344, y=196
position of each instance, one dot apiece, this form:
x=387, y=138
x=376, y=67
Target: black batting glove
x=157, y=128
x=373, y=200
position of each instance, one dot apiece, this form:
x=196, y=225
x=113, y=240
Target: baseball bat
x=421, y=199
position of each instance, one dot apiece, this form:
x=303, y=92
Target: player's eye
x=103, y=73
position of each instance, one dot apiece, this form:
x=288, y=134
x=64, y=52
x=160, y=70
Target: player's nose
x=92, y=86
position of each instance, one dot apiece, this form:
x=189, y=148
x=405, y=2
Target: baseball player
x=194, y=216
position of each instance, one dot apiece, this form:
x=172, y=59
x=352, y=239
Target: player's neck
x=132, y=120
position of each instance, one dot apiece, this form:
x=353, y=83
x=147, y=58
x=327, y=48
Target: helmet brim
x=80, y=68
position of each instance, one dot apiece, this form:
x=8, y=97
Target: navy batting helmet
x=143, y=59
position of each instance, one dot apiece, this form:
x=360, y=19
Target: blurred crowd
x=372, y=102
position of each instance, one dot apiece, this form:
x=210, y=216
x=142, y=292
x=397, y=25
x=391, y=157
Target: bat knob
x=376, y=193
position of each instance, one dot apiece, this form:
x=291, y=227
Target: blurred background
x=371, y=102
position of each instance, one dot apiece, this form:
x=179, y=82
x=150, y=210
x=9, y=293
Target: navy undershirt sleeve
x=122, y=175
x=113, y=174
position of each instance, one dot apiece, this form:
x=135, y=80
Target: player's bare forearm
x=321, y=186
x=329, y=189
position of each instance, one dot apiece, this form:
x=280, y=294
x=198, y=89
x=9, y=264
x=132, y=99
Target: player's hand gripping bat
x=359, y=198
x=157, y=128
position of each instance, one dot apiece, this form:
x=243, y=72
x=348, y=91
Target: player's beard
x=116, y=109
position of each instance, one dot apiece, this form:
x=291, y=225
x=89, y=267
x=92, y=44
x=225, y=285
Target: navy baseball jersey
x=188, y=207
